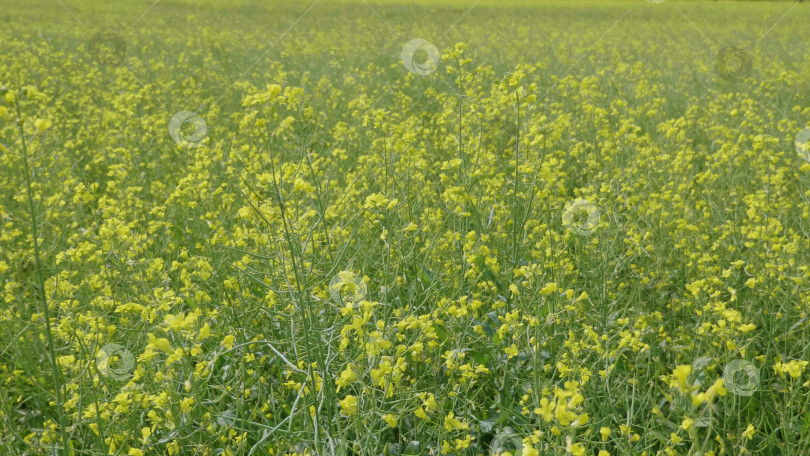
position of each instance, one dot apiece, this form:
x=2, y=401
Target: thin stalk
x=515, y=199
x=310, y=326
x=57, y=373
x=515, y=183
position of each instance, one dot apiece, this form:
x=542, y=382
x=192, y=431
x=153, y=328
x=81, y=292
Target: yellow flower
x=378, y=375
x=454, y=424
x=749, y=432
x=42, y=124
x=681, y=373
x=717, y=389
x=227, y=342
x=66, y=361
x=284, y=125
x=430, y=403
x=605, y=433
x=446, y=448
x=390, y=419
x=205, y=331
x=160, y=343
x=581, y=420
x=549, y=288
x=793, y=368
x=546, y=410
x=302, y=186
x=348, y=405
x=420, y=413
x=346, y=377
x=512, y=351
x=529, y=450
x=687, y=423
x=576, y=449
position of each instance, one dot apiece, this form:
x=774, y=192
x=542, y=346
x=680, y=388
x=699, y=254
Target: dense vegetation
x=288, y=228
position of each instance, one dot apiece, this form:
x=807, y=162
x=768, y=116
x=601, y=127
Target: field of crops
x=388, y=228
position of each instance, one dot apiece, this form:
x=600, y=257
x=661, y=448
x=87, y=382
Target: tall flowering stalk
x=41, y=125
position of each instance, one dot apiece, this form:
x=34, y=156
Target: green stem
x=515, y=201
x=57, y=373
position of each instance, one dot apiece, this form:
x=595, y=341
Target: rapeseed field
x=389, y=228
